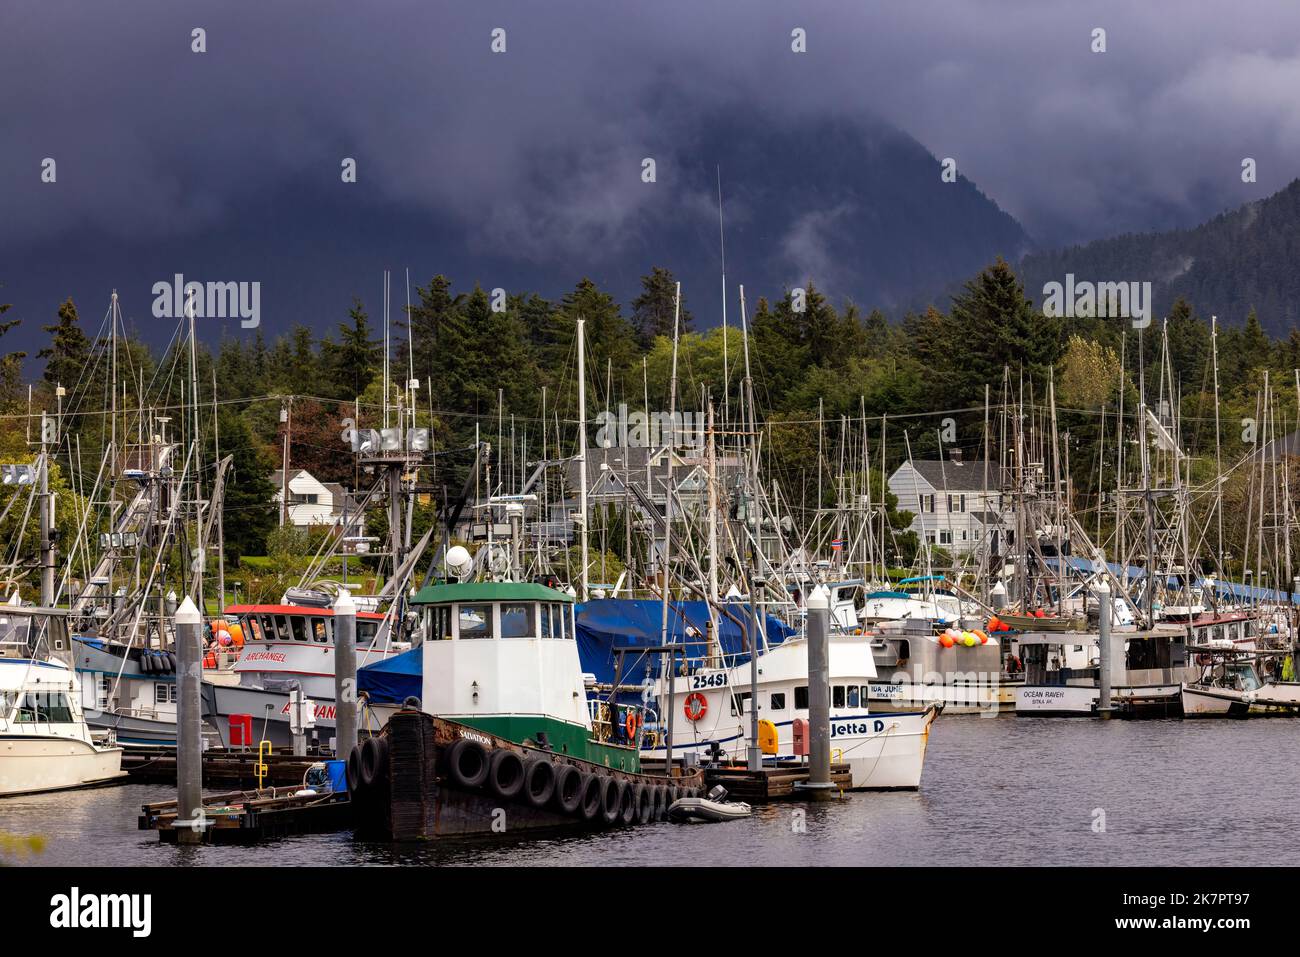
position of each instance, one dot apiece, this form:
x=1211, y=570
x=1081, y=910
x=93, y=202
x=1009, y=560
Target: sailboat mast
x=582, y=454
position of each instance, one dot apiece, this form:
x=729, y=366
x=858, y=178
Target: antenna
x=726, y=377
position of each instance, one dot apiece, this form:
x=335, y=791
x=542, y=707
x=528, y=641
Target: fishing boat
x=504, y=737
x=288, y=646
x=45, y=743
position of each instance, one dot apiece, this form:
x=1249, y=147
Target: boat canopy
x=394, y=679
x=487, y=591
x=610, y=623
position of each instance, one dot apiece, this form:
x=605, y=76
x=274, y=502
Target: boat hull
x=31, y=764
x=1213, y=703
x=134, y=730
x=414, y=796
x=904, y=697
x=269, y=710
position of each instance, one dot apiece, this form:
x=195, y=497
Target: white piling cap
x=343, y=604
x=187, y=614
x=819, y=597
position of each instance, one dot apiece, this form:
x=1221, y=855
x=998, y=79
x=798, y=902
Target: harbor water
x=997, y=791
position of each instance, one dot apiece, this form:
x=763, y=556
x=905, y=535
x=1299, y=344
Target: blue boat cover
x=394, y=679
x=611, y=623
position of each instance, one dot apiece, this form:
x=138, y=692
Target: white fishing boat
x=884, y=751
x=45, y=743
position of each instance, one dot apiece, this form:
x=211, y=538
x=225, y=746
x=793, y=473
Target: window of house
x=801, y=698
x=475, y=621
x=927, y=503
x=945, y=536
x=956, y=503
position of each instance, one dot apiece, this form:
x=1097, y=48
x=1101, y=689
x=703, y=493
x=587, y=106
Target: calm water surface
x=996, y=791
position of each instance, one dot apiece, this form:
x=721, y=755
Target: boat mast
x=582, y=454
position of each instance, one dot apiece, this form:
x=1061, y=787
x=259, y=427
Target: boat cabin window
x=738, y=702
x=367, y=628
x=777, y=701
x=44, y=706
x=319, y=630
x=550, y=627
x=852, y=697
x=475, y=621
x=439, y=623
x=801, y=698
x=255, y=628
x=517, y=620
x=837, y=696
x=299, y=625
x=164, y=692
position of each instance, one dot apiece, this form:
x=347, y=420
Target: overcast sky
x=157, y=144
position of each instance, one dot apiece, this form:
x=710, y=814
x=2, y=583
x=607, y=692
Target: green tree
x=69, y=349
x=654, y=309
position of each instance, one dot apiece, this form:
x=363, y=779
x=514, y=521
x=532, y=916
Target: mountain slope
x=1237, y=261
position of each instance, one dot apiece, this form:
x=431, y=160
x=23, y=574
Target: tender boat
x=713, y=809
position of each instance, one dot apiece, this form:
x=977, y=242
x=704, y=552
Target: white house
x=311, y=502
x=951, y=509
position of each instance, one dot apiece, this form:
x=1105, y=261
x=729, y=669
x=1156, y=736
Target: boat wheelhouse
x=287, y=647
x=502, y=657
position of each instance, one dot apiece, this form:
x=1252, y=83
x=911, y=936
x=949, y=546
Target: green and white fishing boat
x=505, y=736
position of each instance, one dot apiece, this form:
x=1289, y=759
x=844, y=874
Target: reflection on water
x=996, y=791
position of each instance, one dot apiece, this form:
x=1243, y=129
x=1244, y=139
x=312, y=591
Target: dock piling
x=345, y=674
x=189, y=720
x=819, y=785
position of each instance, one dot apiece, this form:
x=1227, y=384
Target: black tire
x=467, y=763
x=506, y=773
x=372, y=767
x=663, y=798
x=626, y=803
x=566, y=796
x=354, y=770
x=611, y=800
x=539, y=781
x=593, y=792
x=644, y=798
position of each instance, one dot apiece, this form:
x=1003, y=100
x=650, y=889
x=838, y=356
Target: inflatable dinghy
x=713, y=808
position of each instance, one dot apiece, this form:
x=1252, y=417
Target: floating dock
x=772, y=783
x=245, y=817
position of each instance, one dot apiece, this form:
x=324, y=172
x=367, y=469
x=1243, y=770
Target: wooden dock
x=773, y=783
x=245, y=817
x=232, y=768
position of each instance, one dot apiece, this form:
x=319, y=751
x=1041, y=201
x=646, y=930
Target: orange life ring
x=697, y=706
x=632, y=724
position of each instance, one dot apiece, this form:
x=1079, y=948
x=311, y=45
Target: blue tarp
x=603, y=625
x=611, y=623
x=394, y=679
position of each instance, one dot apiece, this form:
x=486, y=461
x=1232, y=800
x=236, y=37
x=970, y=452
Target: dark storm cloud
x=539, y=149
